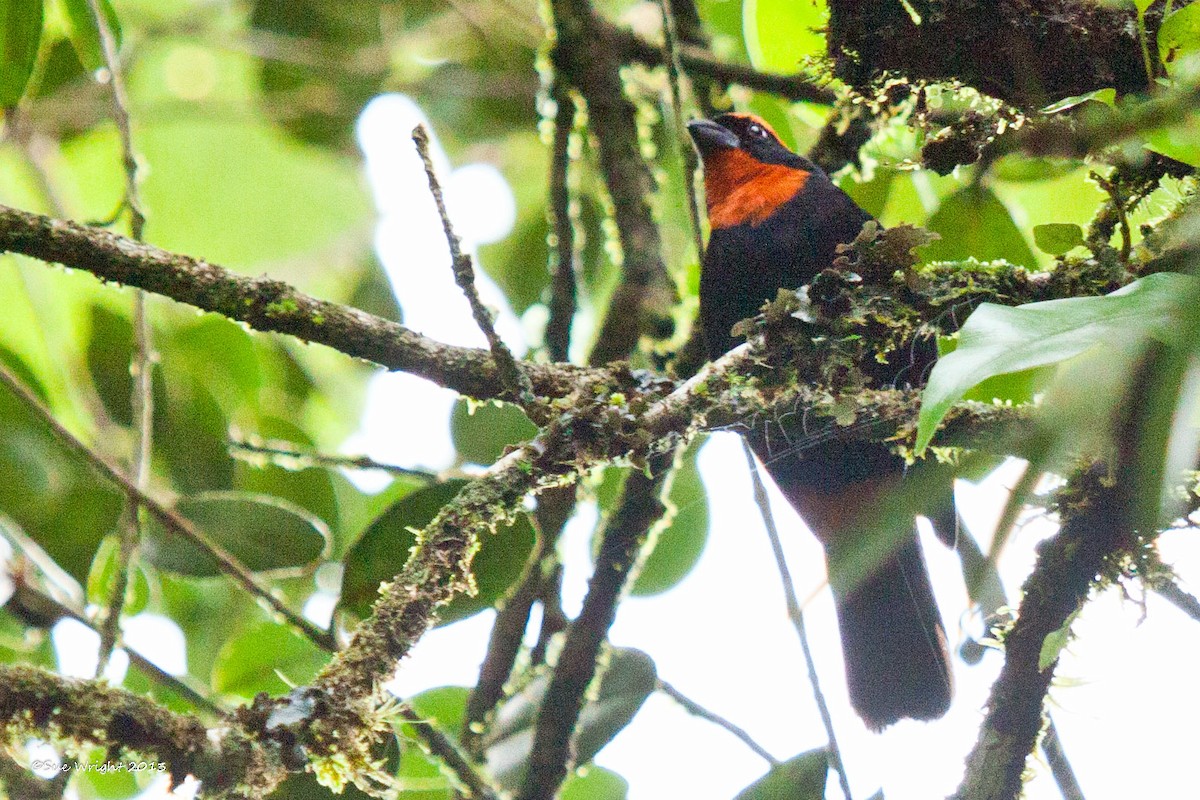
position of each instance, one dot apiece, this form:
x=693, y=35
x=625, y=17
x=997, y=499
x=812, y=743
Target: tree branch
x=585, y=55
x=621, y=546
x=1067, y=565
x=1070, y=47
x=271, y=305
x=91, y=713
x=514, y=380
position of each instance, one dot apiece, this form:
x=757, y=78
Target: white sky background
x=1125, y=700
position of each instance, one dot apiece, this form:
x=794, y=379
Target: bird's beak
x=710, y=137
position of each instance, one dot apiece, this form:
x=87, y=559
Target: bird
x=776, y=220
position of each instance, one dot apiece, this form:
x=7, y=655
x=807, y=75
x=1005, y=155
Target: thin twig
x=562, y=284
x=41, y=610
x=1060, y=766
x=796, y=615
x=690, y=164
x=1185, y=601
x=170, y=519
x=513, y=378
x=287, y=456
x=699, y=61
x=142, y=400
x=184, y=527
x=474, y=785
x=697, y=710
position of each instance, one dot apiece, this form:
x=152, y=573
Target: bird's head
x=748, y=172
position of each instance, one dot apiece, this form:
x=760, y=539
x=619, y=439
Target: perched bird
x=776, y=221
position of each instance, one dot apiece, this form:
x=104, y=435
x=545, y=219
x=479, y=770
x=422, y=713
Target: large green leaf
x=780, y=34
x=973, y=223
x=81, y=26
x=628, y=681
x=799, y=778
x=261, y=657
x=679, y=545
x=262, y=532
x=381, y=552
x=997, y=340
x=20, y=34
x=481, y=434
x=49, y=491
x=594, y=783
x=1179, y=35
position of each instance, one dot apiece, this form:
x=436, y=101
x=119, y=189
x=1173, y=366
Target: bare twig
x=285, y=454
x=1185, y=601
x=796, y=615
x=562, y=283
x=169, y=518
x=697, y=710
x=516, y=381
x=142, y=400
x=697, y=60
x=1060, y=766
x=271, y=305
x=621, y=547
x=473, y=783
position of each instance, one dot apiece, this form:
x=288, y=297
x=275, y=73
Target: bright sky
x=1125, y=699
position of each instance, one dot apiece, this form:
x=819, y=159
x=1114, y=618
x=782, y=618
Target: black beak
x=709, y=136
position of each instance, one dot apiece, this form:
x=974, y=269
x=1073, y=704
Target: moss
x=282, y=307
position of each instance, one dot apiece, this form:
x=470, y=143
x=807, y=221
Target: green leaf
x=1179, y=35
x=781, y=34
x=480, y=436
x=628, y=681
x=109, y=351
x=1142, y=5
x=799, y=778
x=262, y=532
x=81, y=26
x=444, y=706
x=974, y=223
x=677, y=547
x=103, y=575
x=381, y=552
x=20, y=35
x=594, y=783
x=1055, y=642
x=254, y=660
x=47, y=490
x=1107, y=96
x=1057, y=238
x=997, y=340
x=1181, y=142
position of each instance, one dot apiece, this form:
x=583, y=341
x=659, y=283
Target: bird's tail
x=893, y=640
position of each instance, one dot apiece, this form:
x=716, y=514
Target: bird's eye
x=757, y=131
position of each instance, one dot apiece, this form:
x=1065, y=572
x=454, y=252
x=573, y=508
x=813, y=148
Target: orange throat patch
x=742, y=189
